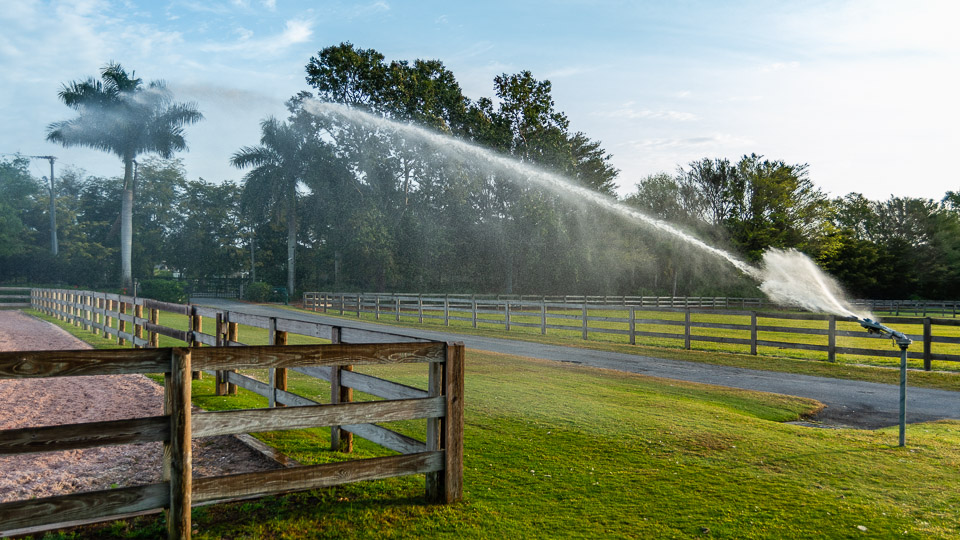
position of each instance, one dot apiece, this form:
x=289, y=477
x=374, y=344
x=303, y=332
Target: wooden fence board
x=719, y=339
x=304, y=328
x=794, y=330
x=786, y=345
x=289, y=356
x=209, y=424
x=181, y=335
x=314, y=476
x=85, y=435
x=667, y=335
x=386, y=438
x=81, y=506
x=877, y=352
x=24, y=364
x=380, y=387
x=179, y=309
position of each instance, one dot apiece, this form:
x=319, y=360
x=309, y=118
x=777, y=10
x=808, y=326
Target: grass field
x=558, y=450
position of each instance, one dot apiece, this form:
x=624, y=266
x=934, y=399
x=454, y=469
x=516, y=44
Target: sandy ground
x=67, y=400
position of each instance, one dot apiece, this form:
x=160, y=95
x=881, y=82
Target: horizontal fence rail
x=656, y=320
x=439, y=457
x=14, y=297
x=217, y=350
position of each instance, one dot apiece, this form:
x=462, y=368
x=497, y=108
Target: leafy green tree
x=17, y=190
x=206, y=238
x=774, y=205
x=119, y=115
x=280, y=163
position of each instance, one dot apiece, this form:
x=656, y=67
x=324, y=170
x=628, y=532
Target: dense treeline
x=327, y=203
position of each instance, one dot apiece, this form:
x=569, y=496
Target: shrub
x=165, y=290
x=258, y=292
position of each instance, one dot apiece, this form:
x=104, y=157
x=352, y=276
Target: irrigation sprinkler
x=901, y=340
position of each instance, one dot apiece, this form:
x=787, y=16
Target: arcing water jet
x=787, y=277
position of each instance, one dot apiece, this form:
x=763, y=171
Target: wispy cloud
x=630, y=112
x=295, y=32
x=366, y=10
x=720, y=140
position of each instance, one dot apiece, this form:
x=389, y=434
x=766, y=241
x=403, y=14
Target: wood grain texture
x=81, y=506
x=314, y=476
x=289, y=356
x=85, y=435
x=181, y=453
x=208, y=424
x=26, y=364
x=452, y=424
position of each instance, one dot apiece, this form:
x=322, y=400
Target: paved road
x=850, y=403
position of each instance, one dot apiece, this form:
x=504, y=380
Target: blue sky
x=865, y=92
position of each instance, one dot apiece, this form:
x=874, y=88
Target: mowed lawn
x=559, y=450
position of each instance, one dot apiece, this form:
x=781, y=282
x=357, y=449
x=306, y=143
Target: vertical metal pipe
x=903, y=395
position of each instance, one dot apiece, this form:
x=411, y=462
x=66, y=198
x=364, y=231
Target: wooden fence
x=660, y=325
x=14, y=297
x=921, y=308
x=221, y=353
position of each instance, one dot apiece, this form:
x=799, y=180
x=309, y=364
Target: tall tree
x=280, y=162
x=119, y=115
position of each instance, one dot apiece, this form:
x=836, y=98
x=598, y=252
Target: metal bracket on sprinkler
x=900, y=339
x=873, y=327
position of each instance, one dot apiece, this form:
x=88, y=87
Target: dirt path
x=66, y=400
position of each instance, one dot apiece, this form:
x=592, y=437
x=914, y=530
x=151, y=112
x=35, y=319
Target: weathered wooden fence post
x=121, y=324
x=753, y=333
x=420, y=309
x=434, y=481
x=181, y=455
x=927, y=344
x=506, y=315
x=452, y=424
x=196, y=325
x=686, y=329
x=220, y=379
x=633, y=325
x=832, y=338
x=137, y=327
x=279, y=375
x=233, y=335
x=585, y=327
x=543, y=317
x=474, y=311
x=446, y=310
x=154, y=336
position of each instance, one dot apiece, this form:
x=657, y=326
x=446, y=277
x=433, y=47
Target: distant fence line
x=14, y=297
x=439, y=457
x=920, y=308
x=686, y=325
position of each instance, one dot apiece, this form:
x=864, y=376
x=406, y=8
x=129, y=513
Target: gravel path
x=67, y=400
x=848, y=403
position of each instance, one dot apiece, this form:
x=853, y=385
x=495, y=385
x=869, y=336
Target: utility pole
x=53, y=206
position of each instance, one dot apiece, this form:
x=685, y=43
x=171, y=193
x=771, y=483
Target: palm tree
x=279, y=162
x=117, y=114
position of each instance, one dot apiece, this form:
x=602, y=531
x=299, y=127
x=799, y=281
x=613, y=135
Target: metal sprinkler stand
x=902, y=341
